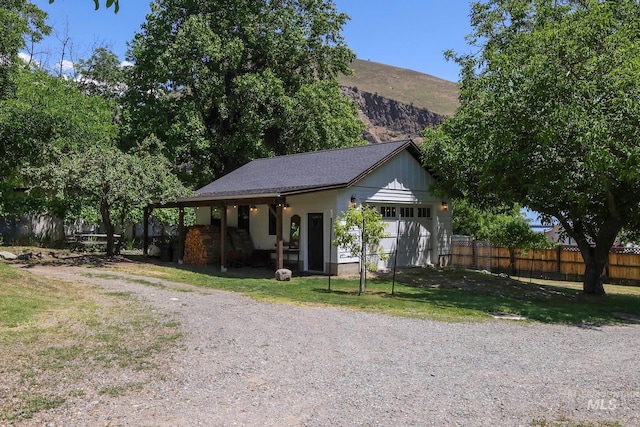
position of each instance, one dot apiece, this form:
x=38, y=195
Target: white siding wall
x=320, y=202
x=400, y=180
x=442, y=243
x=203, y=215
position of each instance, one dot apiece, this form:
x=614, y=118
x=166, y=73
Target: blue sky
x=411, y=34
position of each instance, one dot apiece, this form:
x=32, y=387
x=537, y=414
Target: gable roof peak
x=305, y=172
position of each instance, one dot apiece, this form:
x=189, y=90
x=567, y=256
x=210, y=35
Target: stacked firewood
x=202, y=245
x=194, y=250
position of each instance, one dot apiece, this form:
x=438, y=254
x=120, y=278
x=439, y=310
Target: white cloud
x=66, y=66
x=126, y=64
x=27, y=57
x=24, y=56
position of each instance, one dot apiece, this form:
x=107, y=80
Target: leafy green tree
x=59, y=145
x=514, y=233
x=101, y=74
x=549, y=116
x=224, y=82
x=20, y=20
x=45, y=120
x=359, y=230
x=466, y=219
x=115, y=183
x=502, y=225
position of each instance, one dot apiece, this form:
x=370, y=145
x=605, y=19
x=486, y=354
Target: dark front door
x=243, y=217
x=315, y=242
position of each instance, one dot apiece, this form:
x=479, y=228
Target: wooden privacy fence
x=560, y=263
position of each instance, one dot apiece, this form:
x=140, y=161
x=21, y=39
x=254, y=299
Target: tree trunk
x=108, y=226
x=592, y=283
x=512, y=262
x=595, y=251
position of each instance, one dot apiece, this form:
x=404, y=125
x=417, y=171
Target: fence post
x=474, y=261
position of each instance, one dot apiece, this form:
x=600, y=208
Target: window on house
x=406, y=212
x=424, y=212
x=272, y=221
x=388, y=211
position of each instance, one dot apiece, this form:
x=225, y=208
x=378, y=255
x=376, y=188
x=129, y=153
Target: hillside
x=402, y=85
x=389, y=120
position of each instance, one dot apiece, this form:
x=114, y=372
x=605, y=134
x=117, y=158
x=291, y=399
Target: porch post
x=180, y=235
x=223, y=234
x=145, y=236
x=279, y=246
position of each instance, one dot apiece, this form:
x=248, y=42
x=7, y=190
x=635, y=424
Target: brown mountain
x=397, y=103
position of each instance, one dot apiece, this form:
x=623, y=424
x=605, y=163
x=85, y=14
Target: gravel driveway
x=243, y=362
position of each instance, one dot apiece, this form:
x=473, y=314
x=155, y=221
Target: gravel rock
x=283, y=274
x=243, y=362
x=8, y=255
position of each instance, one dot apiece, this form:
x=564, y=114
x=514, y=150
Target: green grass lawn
x=449, y=295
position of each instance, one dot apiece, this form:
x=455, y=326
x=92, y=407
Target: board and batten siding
x=401, y=179
x=403, y=182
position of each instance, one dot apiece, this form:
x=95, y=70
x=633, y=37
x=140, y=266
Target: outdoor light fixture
x=353, y=200
x=253, y=208
x=445, y=206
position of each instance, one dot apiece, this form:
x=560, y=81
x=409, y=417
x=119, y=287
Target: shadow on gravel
x=214, y=271
x=73, y=260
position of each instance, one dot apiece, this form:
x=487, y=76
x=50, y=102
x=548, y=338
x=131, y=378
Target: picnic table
x=89, y=240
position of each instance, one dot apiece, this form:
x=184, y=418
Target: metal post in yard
x=362, y=260
x=330, y=248
x=395, y=258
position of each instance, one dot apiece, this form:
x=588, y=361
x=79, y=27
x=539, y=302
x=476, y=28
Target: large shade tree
x=102, y=75
x=46, y=119
x=58, y=146
x=550, y=106
x=226, y=81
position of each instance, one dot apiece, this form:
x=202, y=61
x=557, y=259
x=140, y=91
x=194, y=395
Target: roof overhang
x=213, y=200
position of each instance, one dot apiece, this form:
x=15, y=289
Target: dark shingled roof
x=301, y=173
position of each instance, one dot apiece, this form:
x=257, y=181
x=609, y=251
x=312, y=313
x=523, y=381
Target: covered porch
x=275, y=203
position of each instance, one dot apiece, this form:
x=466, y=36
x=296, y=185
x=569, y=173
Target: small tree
x=359, y=230
x=116, y=183
x=514, y=232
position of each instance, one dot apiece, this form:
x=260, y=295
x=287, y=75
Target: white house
x=288, y=204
